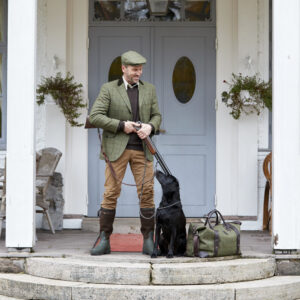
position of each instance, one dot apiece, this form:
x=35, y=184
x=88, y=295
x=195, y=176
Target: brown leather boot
x=102, y=245
x=147, y=216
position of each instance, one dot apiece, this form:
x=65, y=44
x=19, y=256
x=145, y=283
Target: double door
x=181, y=65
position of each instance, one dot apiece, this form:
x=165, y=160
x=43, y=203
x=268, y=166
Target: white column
x=20, y=214
x=237, y=32
x=286, y=123
x=76, y=183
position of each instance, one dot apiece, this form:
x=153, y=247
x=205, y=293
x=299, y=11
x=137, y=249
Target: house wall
x=242, y=32
x=62, y=47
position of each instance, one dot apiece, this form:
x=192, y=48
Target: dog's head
x=169, y=183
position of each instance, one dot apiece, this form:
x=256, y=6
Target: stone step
x=92, y=271
x=30, y=287
x=213, y=272
x=9, y=298
x=142, y=270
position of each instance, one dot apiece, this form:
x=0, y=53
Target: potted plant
x=247, y=94
x=66, y=93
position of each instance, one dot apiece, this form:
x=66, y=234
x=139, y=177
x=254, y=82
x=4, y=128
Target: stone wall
x=55, y=197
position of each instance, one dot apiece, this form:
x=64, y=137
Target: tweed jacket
x=113, y=105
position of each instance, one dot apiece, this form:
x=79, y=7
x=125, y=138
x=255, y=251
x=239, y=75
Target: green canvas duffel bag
x=210, y=240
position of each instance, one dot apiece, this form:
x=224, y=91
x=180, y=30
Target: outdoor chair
x=46, y=162
x=267, y=216
x=2, y=195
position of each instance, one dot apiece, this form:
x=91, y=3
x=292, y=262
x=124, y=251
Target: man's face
x=132, y=74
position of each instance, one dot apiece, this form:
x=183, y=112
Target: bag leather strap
x=216, y=242
x=238, y=238
x=196, y=245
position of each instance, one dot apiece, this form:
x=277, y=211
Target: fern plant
x=66, y=93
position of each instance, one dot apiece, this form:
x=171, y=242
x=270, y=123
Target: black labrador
x=170, y=234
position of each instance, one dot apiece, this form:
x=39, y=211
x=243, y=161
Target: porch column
x=286, y=124
x=20, y=214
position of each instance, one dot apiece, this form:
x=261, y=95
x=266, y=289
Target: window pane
x=139, y=10
x=1, y=99
x=197, y=10
x=0, y=117
x=184, y=79
x=115, y=71
x=173, y=13
x=1, y=20
x=108, y=10
x=136, y=10
x=1, y=75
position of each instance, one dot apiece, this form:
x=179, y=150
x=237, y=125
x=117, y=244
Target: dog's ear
x=175, y=179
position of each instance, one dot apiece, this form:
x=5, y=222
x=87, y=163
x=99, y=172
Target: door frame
x=153, y=25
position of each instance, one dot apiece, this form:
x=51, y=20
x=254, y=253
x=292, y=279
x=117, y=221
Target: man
x=118, y=108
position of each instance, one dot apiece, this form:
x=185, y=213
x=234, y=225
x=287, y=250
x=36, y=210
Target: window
x=3, y=56
x=115, y=70
x=184, y=79
x=152, y=10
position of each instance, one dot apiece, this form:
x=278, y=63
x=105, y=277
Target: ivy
x=66, y=93
x=247, y=94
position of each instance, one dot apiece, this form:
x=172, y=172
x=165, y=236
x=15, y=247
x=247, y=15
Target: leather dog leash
x=89, y=125
x=113, y=171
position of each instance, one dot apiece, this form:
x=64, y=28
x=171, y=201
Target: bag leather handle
x=217, y=213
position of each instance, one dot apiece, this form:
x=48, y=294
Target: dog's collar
x=168, y=205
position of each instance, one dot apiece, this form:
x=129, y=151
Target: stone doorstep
x=150, y=272
x=30, y=287
x=77, y=270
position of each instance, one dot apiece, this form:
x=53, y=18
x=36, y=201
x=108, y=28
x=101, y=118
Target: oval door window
x=115, y=70
x=184, y=79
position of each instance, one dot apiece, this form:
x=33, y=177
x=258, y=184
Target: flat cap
x=132, y=58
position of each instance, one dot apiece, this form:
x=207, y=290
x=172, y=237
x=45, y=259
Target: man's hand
x=145, y=131
x=128, y=126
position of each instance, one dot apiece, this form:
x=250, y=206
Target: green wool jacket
x=113, y=105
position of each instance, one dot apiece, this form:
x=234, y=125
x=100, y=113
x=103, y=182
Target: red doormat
x=126, y=242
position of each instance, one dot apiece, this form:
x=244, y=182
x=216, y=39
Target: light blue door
x=188, y=143
x=189, y=119
x=106, y=44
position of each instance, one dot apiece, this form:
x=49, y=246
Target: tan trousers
x=136, y=160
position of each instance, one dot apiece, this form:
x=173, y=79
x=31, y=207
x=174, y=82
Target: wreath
x=247, y=94
x=66, y=93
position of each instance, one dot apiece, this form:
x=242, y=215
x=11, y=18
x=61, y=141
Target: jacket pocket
x=109, y=135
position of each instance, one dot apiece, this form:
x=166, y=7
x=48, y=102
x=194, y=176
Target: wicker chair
x=267, y=217
x=46, y=162
x=2, y=196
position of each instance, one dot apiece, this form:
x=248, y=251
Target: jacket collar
x=120, y=82
x=123, y=93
